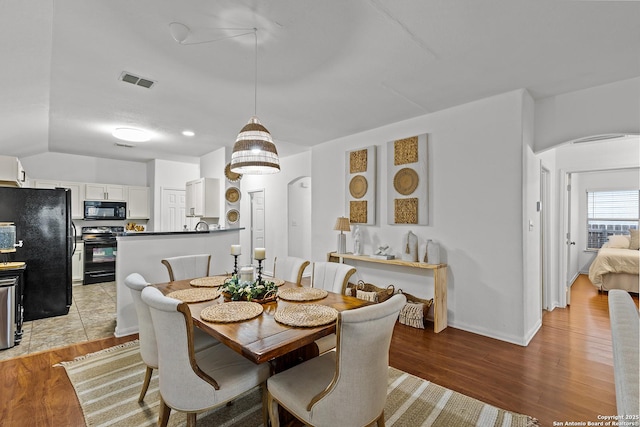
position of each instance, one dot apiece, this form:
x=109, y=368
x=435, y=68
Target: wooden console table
x=439, y=282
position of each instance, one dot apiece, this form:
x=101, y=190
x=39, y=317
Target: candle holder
x=235, y=265
x=259, y=281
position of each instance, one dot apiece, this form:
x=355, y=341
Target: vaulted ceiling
x=326, y=69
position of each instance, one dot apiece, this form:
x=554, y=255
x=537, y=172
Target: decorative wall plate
x=358, y=186
x=406, y=181
x=231, y=176
x=232, y=195
x=233, y=216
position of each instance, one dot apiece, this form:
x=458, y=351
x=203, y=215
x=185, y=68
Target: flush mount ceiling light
x=254, y=152
x=188, y=133
x=131, y=134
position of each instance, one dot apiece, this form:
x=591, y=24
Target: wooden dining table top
x=262, y=338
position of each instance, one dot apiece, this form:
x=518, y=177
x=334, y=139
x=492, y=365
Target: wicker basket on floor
x=381, y=294
x=415, y=311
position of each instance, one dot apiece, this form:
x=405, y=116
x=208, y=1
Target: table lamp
x=342, y=224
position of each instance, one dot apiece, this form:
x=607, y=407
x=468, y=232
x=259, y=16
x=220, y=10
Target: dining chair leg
x=145, y=384
x=163, y=416
x=273, y=410
x=191, y=419
x=265, y=405
x=381, y=420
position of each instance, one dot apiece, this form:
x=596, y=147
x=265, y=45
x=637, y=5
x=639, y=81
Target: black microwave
x=99, y=209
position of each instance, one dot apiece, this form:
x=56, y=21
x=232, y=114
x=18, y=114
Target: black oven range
x=100, y=248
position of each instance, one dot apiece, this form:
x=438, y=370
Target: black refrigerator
x=42, y=218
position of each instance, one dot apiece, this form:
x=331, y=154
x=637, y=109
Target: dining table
x=263, y=339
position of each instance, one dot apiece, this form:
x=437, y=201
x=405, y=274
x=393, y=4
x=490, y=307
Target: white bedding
x=614, y=260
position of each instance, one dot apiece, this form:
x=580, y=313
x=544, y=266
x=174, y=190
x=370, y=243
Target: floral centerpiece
x=235, y=290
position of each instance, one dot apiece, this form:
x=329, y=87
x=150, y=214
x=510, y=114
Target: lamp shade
x=342, y=224
x=254, y=152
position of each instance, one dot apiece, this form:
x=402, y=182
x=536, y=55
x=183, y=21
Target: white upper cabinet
x=12, y=173
x=77, y=194
x=105, y=192
x=203, y=198
x=137, y=202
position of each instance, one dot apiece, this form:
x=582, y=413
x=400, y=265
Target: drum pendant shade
x=254, y=152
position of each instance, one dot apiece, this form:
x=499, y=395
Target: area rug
x=108, y=383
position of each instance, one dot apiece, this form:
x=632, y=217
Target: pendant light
x=254, y=152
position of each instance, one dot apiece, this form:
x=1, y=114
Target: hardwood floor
x=565, y=374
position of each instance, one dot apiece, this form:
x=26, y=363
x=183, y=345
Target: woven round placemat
x=306, y=315
x=302, y=294
x=276, y=281
x=209, y=282
x=195, y=295
x=234, y=311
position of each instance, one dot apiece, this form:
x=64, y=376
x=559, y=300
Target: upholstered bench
x=625, y=336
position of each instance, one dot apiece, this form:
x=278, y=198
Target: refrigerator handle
x=74, y=238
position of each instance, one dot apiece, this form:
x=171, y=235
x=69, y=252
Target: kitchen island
x=141, y=252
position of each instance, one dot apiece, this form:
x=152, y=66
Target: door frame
x=251, y=219
x=545, y=237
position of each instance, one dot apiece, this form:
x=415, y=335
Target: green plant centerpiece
x=236, y=290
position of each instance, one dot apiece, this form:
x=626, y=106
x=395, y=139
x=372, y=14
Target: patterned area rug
x=108, y=383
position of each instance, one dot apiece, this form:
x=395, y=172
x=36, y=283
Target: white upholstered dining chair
x=333, y=277
x=146, y=334
x=289, y=269
x=195, y=382
x=187, y=266
x=347, y=387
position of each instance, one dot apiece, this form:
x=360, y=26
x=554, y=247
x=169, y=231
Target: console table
x=439, y=282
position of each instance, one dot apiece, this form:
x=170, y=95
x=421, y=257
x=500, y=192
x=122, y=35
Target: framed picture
x=360, y=180
x=407, y=186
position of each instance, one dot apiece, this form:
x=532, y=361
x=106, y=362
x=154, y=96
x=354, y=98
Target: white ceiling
x=326, y=69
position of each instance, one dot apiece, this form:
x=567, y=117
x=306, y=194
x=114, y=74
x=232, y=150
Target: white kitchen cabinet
x=104, y=192
x=77, y=263
x=137, y=202
x=12, y=173
x=77, y=194
x=203, y=198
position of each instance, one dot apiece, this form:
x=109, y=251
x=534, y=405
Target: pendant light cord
x=255, y=93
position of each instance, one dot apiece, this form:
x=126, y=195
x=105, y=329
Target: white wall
x=531, y=278
x=71, y=167
x=170, y=175
x=611, y=108
x=212, y=166
x=275, y=194
x=299, y=211
x=476, y=197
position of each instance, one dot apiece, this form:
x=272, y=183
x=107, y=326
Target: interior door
x=257, y=220
x=569, y=242
x=173, y=216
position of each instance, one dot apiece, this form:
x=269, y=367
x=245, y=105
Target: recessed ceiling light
x=188, y=133
x=131, y=134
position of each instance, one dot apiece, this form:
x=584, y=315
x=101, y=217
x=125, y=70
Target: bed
x=616, y=267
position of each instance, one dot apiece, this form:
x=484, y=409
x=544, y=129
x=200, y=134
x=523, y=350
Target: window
x=609, y=213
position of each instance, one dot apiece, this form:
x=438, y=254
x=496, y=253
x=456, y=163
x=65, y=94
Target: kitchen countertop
x=172, y=233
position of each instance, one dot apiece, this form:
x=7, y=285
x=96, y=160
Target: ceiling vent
x=136, y=80
x=124, y=145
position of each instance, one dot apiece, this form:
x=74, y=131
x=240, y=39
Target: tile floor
x=92, y=316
